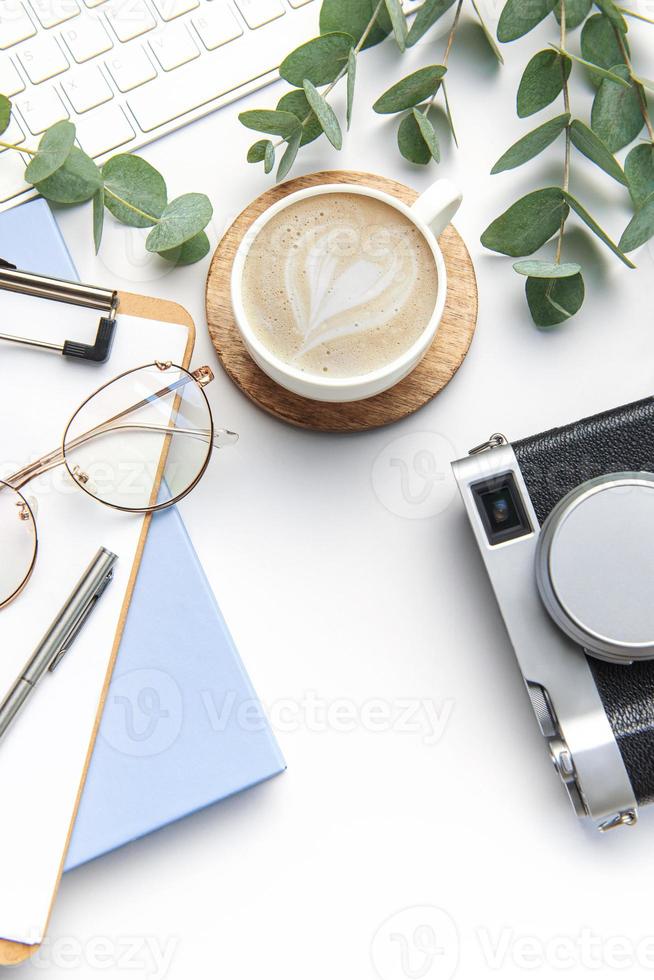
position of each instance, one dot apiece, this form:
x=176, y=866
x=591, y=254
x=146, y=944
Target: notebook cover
x=182, y=727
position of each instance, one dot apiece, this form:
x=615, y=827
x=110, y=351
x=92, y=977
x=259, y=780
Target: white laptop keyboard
x=128, y=71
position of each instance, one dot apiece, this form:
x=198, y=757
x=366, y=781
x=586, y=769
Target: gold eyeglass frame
x=201, y=377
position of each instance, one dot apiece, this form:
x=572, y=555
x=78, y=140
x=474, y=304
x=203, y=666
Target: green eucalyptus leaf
x=135, y=192
x=590, y=222
x=641, y=227
x=428, y=133
x=448, y=113
x=527, y=224
x=553, y=301
x=576, y=12
x=518, y=17
x=492, y=43
x=541, y=82
x=289, y=157
x=411, y=91
x=325, y=115
x=296, y=102
x=610, y=11
x=353, y=17
x=639, y=171
x=278, y=123
x=269, y=158
x=98, y=218
x=181, y=220
x=398, y=20
x=320, y=60
x=546, y=270
x=532, y=144
x=411, y=141
x=351, y=85
x=257, y=152
x=599, y=45
x=76, y=181
x=191, y=251
x=429, y=13
x=647, y=83
x=5, y=113
x=590, y=144
x=616, y=115
x=54, y=147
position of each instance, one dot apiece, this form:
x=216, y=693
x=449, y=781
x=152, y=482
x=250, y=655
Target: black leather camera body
x=565, y=524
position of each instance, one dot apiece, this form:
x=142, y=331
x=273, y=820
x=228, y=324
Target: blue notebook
x=182, y=727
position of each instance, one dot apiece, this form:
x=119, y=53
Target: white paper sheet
x=42, y=755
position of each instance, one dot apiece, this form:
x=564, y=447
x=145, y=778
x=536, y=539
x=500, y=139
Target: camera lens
x=501, y=509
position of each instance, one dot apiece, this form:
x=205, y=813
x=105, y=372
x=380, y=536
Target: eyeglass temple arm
x=56, y=456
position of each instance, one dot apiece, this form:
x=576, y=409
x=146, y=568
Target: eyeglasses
x=139, y=444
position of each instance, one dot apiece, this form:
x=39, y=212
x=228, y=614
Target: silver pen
x=61, y=635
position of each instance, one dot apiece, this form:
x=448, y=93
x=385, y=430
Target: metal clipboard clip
x=62, y=291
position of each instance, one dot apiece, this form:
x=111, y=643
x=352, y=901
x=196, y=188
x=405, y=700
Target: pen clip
x=78, y=625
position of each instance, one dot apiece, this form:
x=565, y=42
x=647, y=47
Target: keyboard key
x=169, y=9
x=12, y=134
x=208, y=78
x=87, y=39
x=10, y=80
x=130, y=67
x=12, y=181
x=86, y=89
x=103, y=129
x=93, y=3
x=129, y=18
x=42, y=58
x=173, y=47
x=40, y=109
x=15, y=24
x=53, y=12
x=216, y=25
x=298, y=3
x=259, y=12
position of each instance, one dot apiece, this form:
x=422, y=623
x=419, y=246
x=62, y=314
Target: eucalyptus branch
x=127, y=186
x=343, y=72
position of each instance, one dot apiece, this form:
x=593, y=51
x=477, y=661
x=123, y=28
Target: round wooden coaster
x=441, y=362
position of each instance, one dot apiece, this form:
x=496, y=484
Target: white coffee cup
x=431, y=214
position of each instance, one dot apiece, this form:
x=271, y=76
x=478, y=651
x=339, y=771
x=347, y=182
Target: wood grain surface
x=435, y=371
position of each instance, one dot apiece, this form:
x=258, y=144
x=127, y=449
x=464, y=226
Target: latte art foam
x=339, y=284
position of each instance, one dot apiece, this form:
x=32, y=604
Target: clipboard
x=111, y=302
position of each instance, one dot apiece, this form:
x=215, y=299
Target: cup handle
x=438, y=205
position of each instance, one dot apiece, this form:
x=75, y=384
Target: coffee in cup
x=339, y=285
x=338, y=290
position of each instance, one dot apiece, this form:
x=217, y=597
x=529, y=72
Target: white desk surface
x=350, y=599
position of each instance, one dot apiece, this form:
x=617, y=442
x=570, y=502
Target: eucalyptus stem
x=132, y=207
x=20, y=149
x=446, y=55
x=452, y=34
x=566, y=104
x=642, y=98
x=635, y=15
